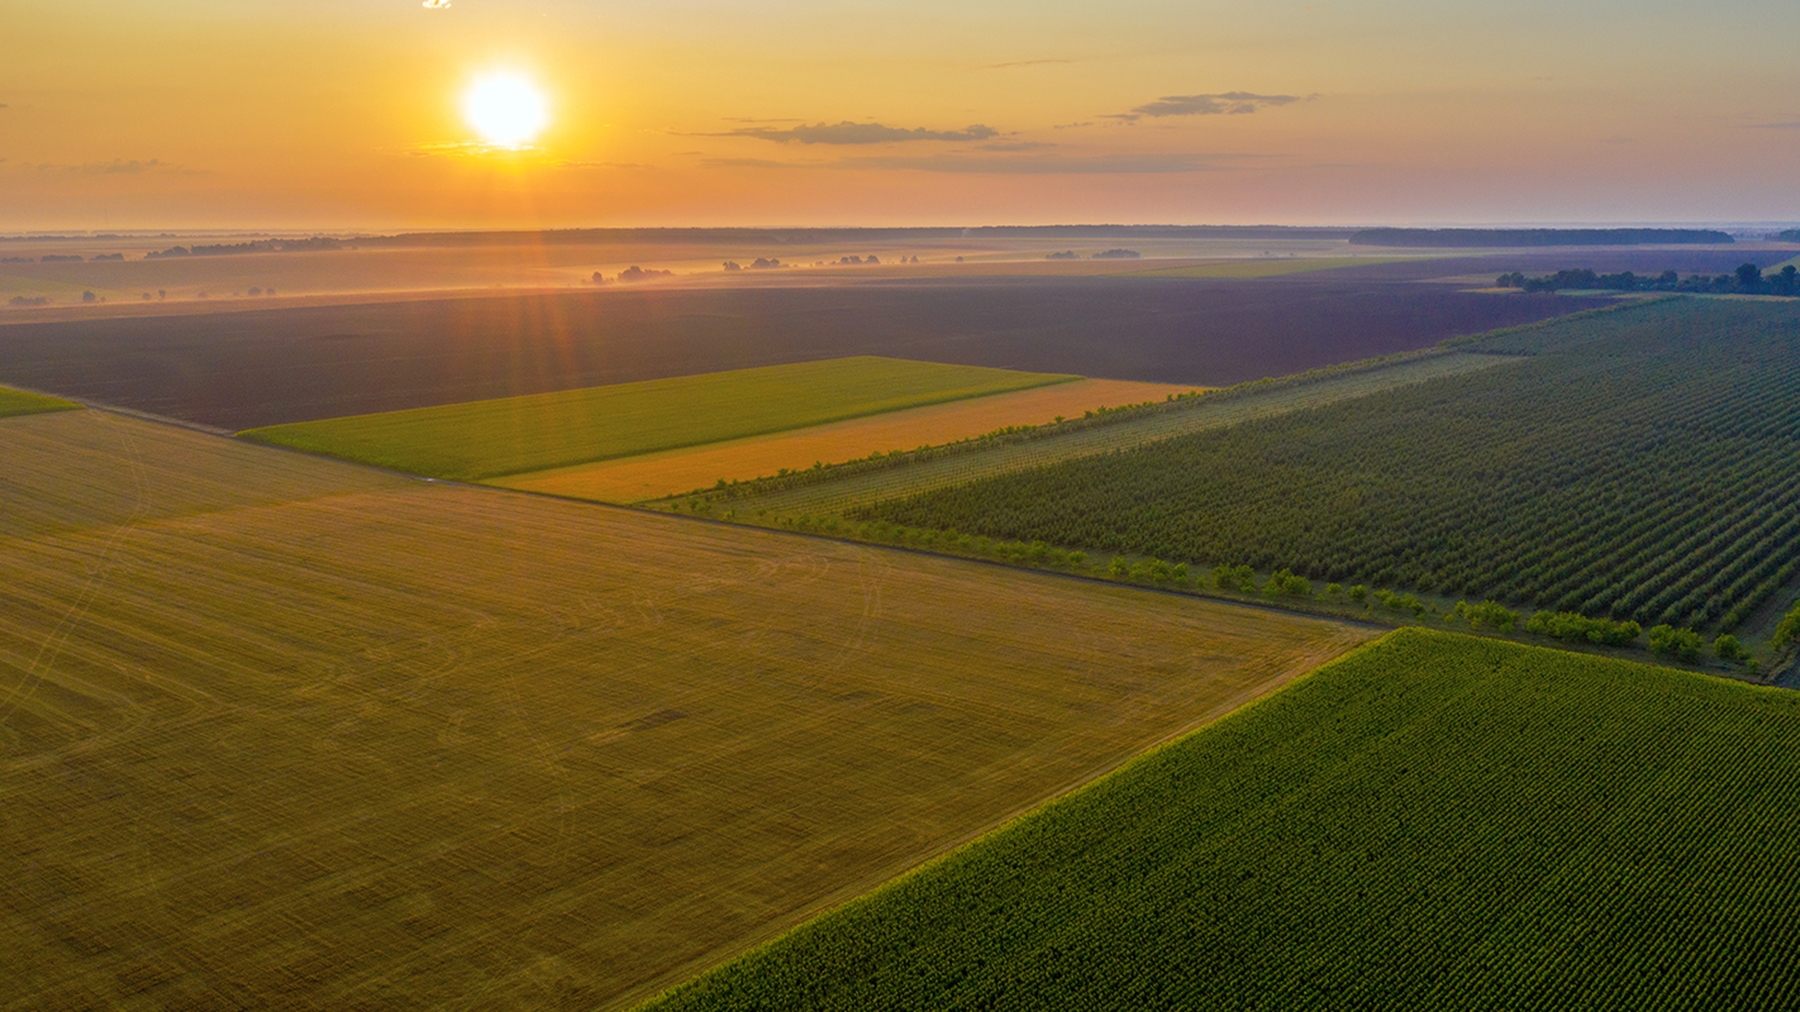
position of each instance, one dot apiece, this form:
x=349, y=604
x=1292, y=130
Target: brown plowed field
x=277, y=731
x=654, y=475
x=244, y=370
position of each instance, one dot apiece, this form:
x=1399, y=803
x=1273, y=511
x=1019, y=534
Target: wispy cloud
x=1041, y=165
x=1004, y=163
x=1016, y=146
x=1228, y=103
x=755, y=163
x=601, y=165
x=116, y=167
x=1023, y=63
x=1793, y=125
x=436, y=5
x=857, y=133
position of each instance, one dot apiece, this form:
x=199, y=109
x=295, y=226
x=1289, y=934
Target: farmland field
x=837, y=494
x=1262, y=268
x=278, y=731
x=654, y=475
x=243, y=370
x=19, y=402
x=483, y=439
x=1434, y=821
x=1641, y=464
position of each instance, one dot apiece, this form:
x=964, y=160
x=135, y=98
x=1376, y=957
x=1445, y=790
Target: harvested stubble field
x=242, y=370
x=19, y=402
x=484, y=439
x=281, y=732
x=652, y=476
x=839, y=494
x=1434, y=821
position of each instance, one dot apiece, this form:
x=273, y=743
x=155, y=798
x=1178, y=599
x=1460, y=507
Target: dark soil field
x=246, y=369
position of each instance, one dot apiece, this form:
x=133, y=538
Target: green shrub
x=1727, y=648
x=1567, y=625
x=1668, y=641
x=1487, y=613
x=1234, y=578
x=1283, y=583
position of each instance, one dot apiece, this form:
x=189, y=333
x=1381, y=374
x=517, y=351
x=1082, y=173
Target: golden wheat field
x=281, y=732
x=653, y=475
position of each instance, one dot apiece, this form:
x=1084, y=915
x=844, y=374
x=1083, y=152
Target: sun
x=506, y=109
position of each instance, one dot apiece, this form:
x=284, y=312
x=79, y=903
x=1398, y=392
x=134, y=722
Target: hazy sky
x=345, y=113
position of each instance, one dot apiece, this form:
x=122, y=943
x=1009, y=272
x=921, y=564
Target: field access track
x=281, y=732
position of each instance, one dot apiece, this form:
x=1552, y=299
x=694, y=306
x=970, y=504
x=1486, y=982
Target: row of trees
x=1663, y=640
x=1748, y=279
x=316, y=244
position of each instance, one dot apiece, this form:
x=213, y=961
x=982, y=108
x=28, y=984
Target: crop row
x=1434, y=821
x=1650, y=474
x=860, y=483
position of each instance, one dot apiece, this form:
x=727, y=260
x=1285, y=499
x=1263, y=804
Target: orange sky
x=344, y=113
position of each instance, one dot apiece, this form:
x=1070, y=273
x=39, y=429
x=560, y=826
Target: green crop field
x=1641, y=464
x=833, y=493
x=18, y=402
x=1434, y=821
x=485, y=439
x=278, y=731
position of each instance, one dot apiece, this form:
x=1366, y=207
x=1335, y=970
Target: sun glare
x=507, y=110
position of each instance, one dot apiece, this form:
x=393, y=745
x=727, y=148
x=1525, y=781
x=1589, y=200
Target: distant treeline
x=1791, y=235
x=61, y=258
x=818, y=236
x=1111, y=254
x=316, y=244
x=1536, y=236
x=1747, y=280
